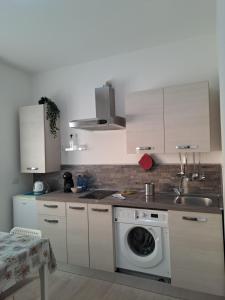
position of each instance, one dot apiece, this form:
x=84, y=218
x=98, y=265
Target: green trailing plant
x=52, y=114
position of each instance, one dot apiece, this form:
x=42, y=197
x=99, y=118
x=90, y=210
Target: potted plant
x=52, y=114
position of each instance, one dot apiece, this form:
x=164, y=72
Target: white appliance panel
x=25, y=211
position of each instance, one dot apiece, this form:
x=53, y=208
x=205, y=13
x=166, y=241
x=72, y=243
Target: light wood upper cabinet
x=39, y=150
x=172, y=119
x=197, y=256
x=186, y=114
x=144, y=119
x=101, y=243
x=77, y=234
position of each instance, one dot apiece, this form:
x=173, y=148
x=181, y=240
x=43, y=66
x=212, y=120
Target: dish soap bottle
x=79, y=183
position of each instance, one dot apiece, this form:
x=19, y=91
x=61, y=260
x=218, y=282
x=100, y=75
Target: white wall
x=73, y=87
x=15, y=91
x=221, y=63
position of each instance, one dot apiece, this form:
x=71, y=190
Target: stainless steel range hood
x=105, y=113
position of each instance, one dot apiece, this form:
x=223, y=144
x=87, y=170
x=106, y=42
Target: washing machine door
x=143, y=246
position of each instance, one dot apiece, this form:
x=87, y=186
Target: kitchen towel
x=146, y=162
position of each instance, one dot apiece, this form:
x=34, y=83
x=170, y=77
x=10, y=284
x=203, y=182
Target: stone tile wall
x=121, y=177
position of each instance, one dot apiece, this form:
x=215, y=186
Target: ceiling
x=39, y=35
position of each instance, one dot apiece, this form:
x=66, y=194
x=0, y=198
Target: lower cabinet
x=54, y=228
x=197, y=256
x=81, y=234
x=52, y=223
x=101, y=244
x=77, y=234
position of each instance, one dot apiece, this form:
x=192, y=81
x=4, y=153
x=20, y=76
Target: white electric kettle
x=39, y=188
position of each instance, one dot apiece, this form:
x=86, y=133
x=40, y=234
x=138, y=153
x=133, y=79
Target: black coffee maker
x=68, y=182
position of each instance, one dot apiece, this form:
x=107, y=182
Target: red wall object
x=146, y=162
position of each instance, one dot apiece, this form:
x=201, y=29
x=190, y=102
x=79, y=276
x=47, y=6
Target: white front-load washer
x=142, y=241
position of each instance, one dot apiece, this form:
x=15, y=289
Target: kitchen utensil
x=181, y=173
x=119, y=196
x=195, y=174
x=38, y=188
x=201, y=174
x=128, y=192
x=186, y=164
x=149, y=189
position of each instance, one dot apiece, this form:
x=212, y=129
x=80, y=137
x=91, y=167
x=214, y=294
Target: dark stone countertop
x=161, y=201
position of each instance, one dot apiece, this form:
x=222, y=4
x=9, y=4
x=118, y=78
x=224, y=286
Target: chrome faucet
x=182, y=188
x=177, y=191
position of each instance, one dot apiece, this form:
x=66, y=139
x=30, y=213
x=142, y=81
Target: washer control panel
x=141, y=216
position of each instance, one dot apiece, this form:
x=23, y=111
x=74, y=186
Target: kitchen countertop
x=161, y=201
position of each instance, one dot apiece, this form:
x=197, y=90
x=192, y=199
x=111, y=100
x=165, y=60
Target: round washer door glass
x=141, y=241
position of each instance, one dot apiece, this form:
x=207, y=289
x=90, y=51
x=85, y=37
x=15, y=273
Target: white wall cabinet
x=197, y=256
x=39, y=149
x=186, y=114
x=144, y=122
x=77, y=234
x=52, y=223
x=101, y=243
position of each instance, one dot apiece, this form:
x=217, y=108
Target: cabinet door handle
x=186, y=147
x=143, y=148
x=195, y=219
x=32, y=168
x=77, y=207
x=51, y=221
x=100, y=209
x=50, y=206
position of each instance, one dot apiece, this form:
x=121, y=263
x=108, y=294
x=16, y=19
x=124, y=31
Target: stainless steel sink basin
x=193, y=201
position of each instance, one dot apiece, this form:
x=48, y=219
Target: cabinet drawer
x=54, y=228
x=51, y=208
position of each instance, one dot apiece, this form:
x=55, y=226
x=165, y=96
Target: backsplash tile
x=120, y=177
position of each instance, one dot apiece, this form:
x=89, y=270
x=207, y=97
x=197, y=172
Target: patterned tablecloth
x=22, y=256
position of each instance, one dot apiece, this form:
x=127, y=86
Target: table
x=21, y=256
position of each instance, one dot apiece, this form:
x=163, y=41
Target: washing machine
x=142, y=241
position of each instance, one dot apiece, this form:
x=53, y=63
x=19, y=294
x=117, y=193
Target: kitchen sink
x=193, y=201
